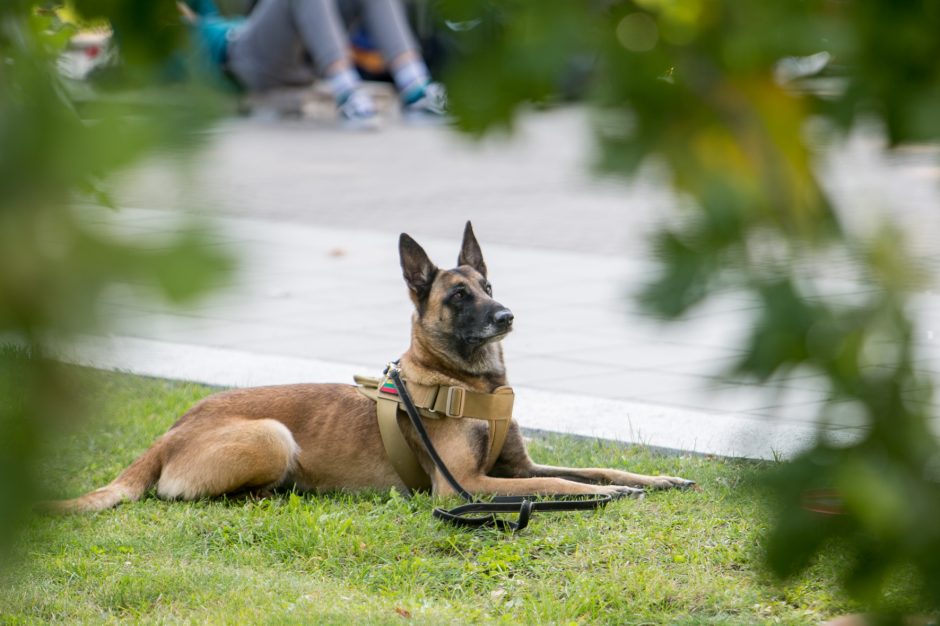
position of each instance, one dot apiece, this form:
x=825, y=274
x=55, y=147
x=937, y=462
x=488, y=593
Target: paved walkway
x=314, y=216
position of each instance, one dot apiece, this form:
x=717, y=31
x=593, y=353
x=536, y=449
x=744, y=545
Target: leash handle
x=460, y=516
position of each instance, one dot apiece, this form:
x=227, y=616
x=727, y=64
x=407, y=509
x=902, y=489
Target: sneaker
x=357, y=111
x=429, y=106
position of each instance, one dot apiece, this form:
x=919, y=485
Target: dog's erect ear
x=416, y=267
x=470, y=253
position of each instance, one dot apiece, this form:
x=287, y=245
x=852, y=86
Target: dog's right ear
x=416, y=267
x=470, y=253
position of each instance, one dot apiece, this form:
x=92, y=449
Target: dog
x=323, y=437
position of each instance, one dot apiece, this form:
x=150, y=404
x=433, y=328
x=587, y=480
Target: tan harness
x=434, y=402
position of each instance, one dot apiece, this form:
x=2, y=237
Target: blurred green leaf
x=53, y=266
x=695, y=85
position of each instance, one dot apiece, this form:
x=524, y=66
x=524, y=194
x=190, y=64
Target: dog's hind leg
x=228, y=457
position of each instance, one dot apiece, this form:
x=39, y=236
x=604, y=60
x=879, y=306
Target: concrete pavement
x=314, y=216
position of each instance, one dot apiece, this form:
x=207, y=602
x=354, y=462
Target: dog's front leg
x=515, y=462
x=483, y=484
x=453, y=439
x=605, y=476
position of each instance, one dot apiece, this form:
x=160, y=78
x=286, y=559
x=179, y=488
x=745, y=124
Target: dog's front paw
x=620, y=491
x=670, y=482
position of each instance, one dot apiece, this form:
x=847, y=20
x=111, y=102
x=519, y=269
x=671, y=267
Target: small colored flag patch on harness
x=389, y=387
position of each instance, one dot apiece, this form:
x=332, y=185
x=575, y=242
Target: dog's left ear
x=470, y=253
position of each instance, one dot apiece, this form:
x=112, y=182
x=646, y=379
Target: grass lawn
x=676, y=557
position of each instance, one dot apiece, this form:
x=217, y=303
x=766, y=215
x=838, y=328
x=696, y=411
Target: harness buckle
x=453, y=407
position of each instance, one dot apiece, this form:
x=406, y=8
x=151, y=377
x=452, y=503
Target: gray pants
x=269, y=49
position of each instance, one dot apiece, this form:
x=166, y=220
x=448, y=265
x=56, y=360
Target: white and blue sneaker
x=427, y=105
x=356, y=111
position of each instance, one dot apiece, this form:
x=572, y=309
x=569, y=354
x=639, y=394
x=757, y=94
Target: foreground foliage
x=677, y=557
x=55, y=149
x=694, y=88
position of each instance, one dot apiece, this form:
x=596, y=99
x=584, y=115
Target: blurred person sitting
x=270, y=48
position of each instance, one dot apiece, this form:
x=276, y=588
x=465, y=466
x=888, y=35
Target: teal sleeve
x=204, y=7
x=213, y=33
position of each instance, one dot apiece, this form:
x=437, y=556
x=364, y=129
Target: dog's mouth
x=479, y=340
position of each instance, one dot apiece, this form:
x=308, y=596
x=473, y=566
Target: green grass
x=676, y=557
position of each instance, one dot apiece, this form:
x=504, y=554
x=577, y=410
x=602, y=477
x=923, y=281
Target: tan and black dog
x=325, y=436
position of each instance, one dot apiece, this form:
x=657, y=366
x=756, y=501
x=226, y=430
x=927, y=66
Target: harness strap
x=399, y=452
x=435, y=402
x=457, y=402
x=498, y=431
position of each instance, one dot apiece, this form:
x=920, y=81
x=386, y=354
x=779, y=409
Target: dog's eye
x=488, y=288
x=458, y=295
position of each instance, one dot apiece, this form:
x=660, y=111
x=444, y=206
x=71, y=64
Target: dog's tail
x=129, y=486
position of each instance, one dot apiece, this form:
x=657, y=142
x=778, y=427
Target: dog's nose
x=503, y=318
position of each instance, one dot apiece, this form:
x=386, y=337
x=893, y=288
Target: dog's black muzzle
x=502, y=319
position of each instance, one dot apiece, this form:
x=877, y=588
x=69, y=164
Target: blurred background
x=714, y=221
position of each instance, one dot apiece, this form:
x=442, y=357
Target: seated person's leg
x=388, y=26
x=267, y=51
x=323, y=33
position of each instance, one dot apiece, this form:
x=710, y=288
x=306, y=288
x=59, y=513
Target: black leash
x=462, y=515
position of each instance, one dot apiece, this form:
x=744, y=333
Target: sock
x=343, y=83
x=411, y=79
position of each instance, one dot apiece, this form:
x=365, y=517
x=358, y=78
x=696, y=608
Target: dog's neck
x=484, y=372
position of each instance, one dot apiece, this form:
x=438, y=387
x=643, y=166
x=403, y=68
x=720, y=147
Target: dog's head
x=456, y=312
